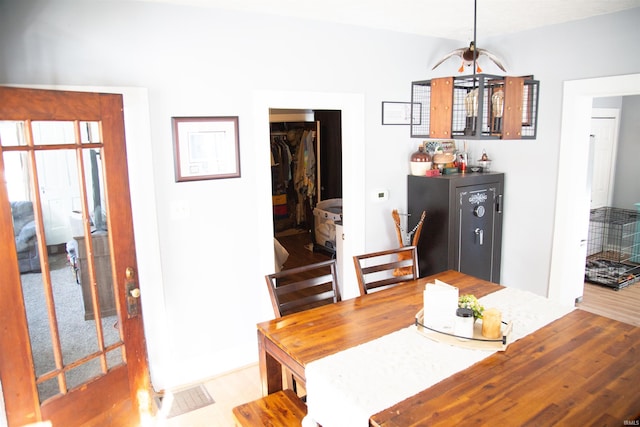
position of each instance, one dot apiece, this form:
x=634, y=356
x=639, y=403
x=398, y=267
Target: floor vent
x=172, y=404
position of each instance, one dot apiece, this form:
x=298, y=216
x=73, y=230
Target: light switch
x=179, y=210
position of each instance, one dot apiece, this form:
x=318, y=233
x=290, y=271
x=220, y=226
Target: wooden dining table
x=582, y=368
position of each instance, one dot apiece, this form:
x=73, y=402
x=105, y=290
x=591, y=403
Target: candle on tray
x=491, y=323
x=464, y=324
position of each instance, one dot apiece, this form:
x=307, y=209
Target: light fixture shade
x=479, y=106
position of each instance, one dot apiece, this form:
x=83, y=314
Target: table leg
x=270, y=368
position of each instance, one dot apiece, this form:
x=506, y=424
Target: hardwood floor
x=299, y=254
x=620, y=305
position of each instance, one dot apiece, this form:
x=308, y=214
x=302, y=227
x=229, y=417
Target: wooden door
x=63, y=361
x=604, y=160
x=330, y=156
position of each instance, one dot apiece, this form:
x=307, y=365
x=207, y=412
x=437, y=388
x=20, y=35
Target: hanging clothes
x=305, y=178
x=293, y=167
x=281, y=160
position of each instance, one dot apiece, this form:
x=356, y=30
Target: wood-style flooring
x=622, y=305
x=297, y=244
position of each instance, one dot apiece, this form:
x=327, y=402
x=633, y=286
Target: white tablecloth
x=346, y=388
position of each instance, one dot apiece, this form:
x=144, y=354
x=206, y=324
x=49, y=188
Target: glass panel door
x=54, y=178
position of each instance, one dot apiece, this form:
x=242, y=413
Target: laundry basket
x=325, y=215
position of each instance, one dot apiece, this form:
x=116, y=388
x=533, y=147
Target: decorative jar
x=420, y=162
x=464, y=324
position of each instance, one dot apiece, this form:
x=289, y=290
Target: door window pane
x=49, y=133
x=90, y=132
x=12, y=133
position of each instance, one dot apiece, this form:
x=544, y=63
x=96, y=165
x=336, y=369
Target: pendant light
x=477, y=106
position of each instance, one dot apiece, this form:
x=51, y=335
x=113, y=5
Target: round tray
x=478, y=342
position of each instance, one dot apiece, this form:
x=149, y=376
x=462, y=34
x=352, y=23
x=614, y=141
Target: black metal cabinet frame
x=463, y=225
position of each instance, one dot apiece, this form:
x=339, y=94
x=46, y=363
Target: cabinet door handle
x=480, y=233
x=499, y=204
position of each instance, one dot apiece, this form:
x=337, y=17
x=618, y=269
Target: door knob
x=480, y=233
x=132, y=292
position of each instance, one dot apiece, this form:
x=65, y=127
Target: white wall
x=202, y=62
x=206, y=63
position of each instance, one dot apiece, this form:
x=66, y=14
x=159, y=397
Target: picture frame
x=399, y=113
x=206, y=148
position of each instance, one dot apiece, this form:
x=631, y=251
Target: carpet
x=78, y=337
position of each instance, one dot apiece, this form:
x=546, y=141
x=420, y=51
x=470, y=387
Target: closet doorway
x=306, y=173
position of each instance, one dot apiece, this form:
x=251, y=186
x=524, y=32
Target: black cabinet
x=463, y=226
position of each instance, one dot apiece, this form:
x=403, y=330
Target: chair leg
x=289, y=381
x=300, y=393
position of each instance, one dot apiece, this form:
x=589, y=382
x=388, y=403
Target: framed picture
x=206, y=148
x=399, y=113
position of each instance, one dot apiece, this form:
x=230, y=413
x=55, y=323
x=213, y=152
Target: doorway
x=57, y=166
x=566, y=279
x=352, y=109
x=306, y=175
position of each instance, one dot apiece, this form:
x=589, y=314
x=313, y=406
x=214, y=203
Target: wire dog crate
x=613, y=248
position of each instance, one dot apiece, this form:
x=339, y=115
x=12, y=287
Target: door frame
x=353, y=182
x=568, y=251
x=143, y=207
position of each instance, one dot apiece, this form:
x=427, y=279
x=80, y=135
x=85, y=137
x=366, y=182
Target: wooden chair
x=282, y=408
x=383, y=269
x=301, y=288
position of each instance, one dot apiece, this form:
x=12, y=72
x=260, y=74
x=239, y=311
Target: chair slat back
x=383, y=269
x=301, y=288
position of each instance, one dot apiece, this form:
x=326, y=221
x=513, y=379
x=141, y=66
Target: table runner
x=346, y=388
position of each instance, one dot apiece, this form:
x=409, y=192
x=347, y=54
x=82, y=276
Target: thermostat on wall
x=380, y=195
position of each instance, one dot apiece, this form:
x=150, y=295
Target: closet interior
x=293, y=175
x=306, y=171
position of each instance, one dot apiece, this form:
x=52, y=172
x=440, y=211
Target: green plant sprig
x=470, y=301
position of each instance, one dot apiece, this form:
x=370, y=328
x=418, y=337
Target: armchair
x=24, y=229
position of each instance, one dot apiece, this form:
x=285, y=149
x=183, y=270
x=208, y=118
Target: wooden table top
x=581, y=368
x=320, y=332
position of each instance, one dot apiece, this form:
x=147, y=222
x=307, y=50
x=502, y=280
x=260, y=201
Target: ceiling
x=451, y=19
